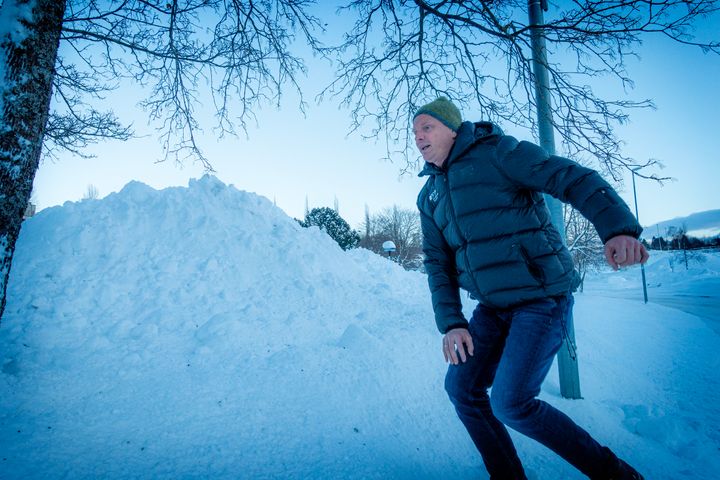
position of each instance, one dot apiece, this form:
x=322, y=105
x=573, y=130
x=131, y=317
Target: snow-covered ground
x=692, y=288
x=201, y=333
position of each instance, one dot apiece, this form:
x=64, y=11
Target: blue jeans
x=514, y=350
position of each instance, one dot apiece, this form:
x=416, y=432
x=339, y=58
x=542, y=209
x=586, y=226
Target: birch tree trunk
x=28, y=50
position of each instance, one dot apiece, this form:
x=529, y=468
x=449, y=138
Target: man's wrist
x=455, y=325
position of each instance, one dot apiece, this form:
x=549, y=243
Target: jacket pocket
x=533, y=268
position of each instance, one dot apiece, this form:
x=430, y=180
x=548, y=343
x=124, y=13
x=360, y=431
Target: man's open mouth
x=422, y=149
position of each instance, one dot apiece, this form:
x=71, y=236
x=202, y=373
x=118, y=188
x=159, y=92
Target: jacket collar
x=468, y=135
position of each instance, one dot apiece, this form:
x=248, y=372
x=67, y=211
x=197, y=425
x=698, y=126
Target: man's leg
x=467, y=384
x=534, y=338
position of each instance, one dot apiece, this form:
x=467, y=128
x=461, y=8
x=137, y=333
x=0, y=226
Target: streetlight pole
x=567, y=358
x=637, y=216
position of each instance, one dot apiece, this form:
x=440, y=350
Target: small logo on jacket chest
x=434, y=196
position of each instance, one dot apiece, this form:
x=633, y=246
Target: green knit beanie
x=444, y=110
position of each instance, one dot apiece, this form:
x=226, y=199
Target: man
x=486, y=229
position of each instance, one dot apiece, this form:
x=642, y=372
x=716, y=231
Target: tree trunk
x=28, y=54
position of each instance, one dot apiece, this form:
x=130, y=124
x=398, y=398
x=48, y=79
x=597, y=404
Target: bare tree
x=680, y=243
x=233, y=54
x=583, y=242
x=400, y=225
x=403, y=53
x=92, y=193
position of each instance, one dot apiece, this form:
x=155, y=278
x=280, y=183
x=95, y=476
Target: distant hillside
x=700, y=224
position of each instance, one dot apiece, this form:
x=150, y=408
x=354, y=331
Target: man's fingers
x=645, y=255
x=449, y=349
x=633, y=254
x=641, y=255
x=620, y=256
x=461, y=352
x=464, y=346
x=457, y=345
x=609, y=256
x=623, y=251
x=629, y=256
x=453, y=354
x=470, y=346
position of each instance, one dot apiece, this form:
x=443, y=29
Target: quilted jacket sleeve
x=530, y=166
x=442, y=275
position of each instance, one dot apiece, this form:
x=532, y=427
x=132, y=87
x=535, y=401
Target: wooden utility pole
x=567, y=357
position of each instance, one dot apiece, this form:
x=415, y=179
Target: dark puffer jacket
x=487, y=229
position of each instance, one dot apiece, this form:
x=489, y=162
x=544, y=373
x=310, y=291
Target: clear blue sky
x=288, y=156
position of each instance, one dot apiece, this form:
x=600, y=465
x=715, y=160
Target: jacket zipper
x=462, y=238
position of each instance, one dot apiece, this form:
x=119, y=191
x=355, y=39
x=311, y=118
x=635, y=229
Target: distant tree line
x=686, y=249
x=676, y=238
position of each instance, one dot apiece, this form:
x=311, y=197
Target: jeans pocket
x=544, y=310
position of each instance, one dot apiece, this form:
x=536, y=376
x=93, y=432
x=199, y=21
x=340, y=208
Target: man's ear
x=454, y=134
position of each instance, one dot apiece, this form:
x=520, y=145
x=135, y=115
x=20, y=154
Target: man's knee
x=457, y=391
x=452, y=388
x=511, y=410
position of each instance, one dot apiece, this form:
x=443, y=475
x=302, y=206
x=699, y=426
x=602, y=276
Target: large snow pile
x=201, y=333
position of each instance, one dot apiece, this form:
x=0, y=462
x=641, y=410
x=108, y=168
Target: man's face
x=433, y=139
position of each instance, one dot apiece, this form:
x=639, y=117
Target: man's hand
x=454, y=343
x=624, y=250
